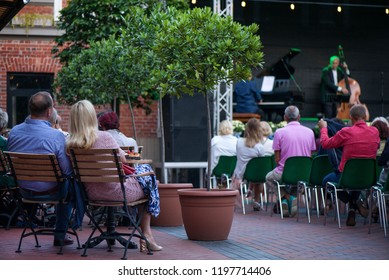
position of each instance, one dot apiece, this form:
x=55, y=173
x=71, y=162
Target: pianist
x=247, y=97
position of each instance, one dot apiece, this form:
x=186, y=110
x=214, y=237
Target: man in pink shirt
x=292, y=140
x=357, y=141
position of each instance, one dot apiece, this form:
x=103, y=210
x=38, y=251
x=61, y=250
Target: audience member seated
x=109, y=122
x=84, y=134
x=56, y=120
x=383, y=128
x=384, y=162
x=266, y=141
x=292, y=140
x=3, y=127
x=36, y=135
x=357, y=141
x=247, y=148
x=223, y=144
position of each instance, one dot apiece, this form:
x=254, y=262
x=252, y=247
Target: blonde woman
x=266, y=142
x=247, y=148
x=84, y=134
x=223, y=144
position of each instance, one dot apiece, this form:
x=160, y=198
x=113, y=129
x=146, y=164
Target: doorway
x=20, y=87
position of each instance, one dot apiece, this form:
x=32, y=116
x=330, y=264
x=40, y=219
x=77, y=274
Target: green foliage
x=84, y=21
x=113, y=68
x=198, y=49
x=161, y=51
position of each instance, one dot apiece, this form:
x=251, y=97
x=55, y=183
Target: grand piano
x=274, y=82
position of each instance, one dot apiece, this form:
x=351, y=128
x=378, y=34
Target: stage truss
x=222, y=105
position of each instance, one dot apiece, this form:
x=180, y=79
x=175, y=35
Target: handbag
x=128, y=170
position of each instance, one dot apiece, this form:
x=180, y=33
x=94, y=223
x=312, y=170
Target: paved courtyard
x=254, y=236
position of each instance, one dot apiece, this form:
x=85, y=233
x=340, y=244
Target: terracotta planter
x=207, y=215
x=170, y=215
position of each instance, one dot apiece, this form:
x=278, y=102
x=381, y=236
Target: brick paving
x=254, y=236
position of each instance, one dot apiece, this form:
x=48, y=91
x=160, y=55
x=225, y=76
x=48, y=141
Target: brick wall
x=34, y=56
x=145, y=125
x=24, y=55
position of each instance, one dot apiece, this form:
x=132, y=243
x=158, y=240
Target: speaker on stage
x=185, y=128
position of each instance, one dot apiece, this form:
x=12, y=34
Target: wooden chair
x=8, y=193
x=38, y=168
x=104, y=166
x=359, y=174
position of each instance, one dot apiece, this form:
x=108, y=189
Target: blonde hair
x=265, y=128
x=82, y=125
x=253, y=132
x=225, y=128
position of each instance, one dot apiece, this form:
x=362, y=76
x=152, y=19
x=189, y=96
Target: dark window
x=20, y=87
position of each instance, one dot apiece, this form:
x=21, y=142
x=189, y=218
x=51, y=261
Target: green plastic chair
x=255, y=172
x=321, y=167
x=225, y=167
x=359, y=174
x=380, y=192
x=296, y=169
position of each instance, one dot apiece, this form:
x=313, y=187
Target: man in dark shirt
x=331, y=75
x=247, y=98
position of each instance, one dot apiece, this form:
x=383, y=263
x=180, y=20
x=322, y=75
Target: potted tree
x=198, y=50
x=119, y=67
x=167, y=51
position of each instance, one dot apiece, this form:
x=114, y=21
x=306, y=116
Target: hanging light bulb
x=292, y=7
x=194, y=2
x=243, y=4
x=387, y=11
x=339, y=9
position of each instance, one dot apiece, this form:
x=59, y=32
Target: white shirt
x=244, y=154
x=222, y=145
x=267, y=146
x=123, y=140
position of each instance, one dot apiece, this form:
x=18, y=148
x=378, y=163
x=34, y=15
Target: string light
x=387, y=11
x=292, y=7
x=243, y=4
x=193, y=2
x=339, y=9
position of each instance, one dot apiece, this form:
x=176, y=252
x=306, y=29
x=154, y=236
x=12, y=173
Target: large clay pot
x=207, y=215
x=170, y=215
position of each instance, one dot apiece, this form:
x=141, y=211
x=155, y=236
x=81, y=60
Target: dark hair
x=382, y=129
x=39, y=103
x=108, y=120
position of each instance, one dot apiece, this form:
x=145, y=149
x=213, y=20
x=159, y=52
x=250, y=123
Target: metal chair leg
x=241, y=196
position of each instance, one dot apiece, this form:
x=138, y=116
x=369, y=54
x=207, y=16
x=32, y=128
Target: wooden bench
x=244, y=117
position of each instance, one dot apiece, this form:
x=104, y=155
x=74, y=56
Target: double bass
x=354, y=91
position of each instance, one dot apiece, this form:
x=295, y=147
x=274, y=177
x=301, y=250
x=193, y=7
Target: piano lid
x=282, y=68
